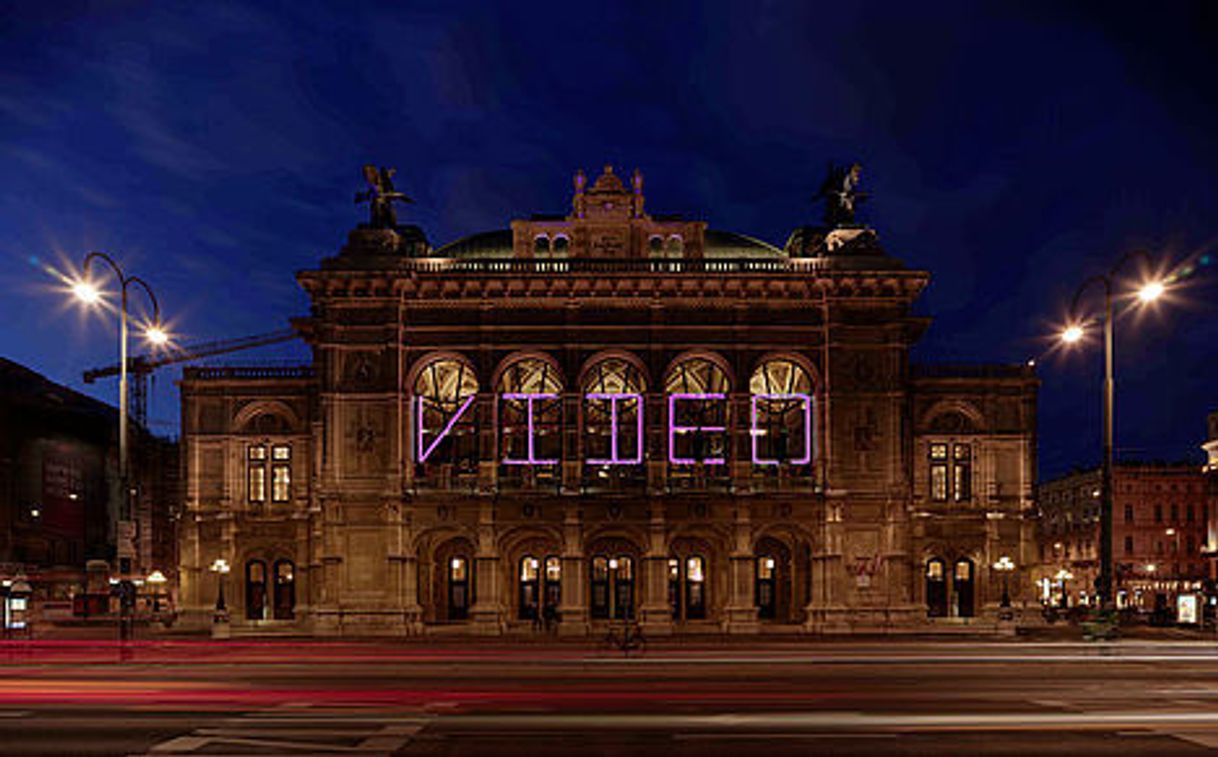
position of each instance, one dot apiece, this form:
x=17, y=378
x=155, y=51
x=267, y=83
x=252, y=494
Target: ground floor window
x=767, y=600
x=255, y=590
x=936, y=588
x=687, y=587
x=458, y=588
x=612, y=587
x=285, y=590
x=540, y=589
x=963, y=586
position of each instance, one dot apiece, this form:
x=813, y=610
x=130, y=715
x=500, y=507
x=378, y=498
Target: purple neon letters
x=425, y=448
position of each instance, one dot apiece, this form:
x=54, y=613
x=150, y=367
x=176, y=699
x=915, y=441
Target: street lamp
x=1072, y=334
x=1062, y=577
x=220, y=568
x=1005, y=566
x=157, y=579
x=86, y=290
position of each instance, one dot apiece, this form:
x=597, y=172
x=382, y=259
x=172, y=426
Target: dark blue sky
x=1012, y=150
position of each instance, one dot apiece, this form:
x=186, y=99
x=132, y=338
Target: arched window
x=674, y=246
x=655, y=244
x=459, y=599
x=445, y=428
x=936, y=588
x=553, y=586
x=530, y=570
x=255, y=590
x=612, y=587
x=562, y=244
x=962, y=585
x=767, y=604
x=697, y=420
x=782, y=413
x=613, y=415
x=600, y=588
x=530, y=414
x=285, y=590
x=541, y=245
x=695, y=587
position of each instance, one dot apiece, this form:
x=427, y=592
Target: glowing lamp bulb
x=156, y=336
x=1150, y=291
x=1072, y=334
x=86, y=292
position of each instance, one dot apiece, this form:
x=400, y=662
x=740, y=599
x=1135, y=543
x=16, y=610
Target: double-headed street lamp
x=1005, y=566
x=87, y=291
x=1073, y=333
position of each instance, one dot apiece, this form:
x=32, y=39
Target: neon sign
x=617, y=401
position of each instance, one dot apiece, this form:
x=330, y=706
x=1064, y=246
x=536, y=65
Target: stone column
x=573, y=608
x=827, y=610
x=572, y=465
x=489, y=612
x=655, y=612
x=656, y=430
x=488, y=446
x=741, y=610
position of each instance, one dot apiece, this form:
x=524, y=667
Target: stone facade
x=436, y=372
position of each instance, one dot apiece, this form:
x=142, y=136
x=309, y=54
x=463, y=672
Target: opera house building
x=609, y=415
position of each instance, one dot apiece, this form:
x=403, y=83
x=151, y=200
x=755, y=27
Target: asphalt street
x=777, y=698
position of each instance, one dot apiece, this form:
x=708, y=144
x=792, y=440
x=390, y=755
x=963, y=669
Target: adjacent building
x=1161, y=515
x=608, y=415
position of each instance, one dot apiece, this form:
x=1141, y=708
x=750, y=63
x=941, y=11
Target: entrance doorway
x=285, y=590
x=936, y=588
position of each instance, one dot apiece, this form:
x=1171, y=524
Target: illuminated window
x=530, y=376
x=256, y=473
x=698, y=376
x=783, y=416
x=695, y=588
x=962, y=479
x=938, y=472
x=951, y=475
x=281, y=473
x=445, y=427
x=612, y=376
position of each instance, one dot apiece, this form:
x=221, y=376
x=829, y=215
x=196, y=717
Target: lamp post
x=1005, y=566
x=157, y=580
x=87, y=292
x=1062, y=577
x=1148, y=292
x=219, y=628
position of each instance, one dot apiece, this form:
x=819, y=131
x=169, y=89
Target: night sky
x=1014, y=150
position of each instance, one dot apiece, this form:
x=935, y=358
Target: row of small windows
x=560, y=244
x=271, y=463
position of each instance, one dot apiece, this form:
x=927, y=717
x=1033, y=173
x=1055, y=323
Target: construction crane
x=140, y=367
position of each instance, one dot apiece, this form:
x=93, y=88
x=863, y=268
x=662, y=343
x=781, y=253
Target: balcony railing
x=603, y=265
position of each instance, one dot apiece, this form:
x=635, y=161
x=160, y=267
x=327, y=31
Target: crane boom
x=145, y=364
